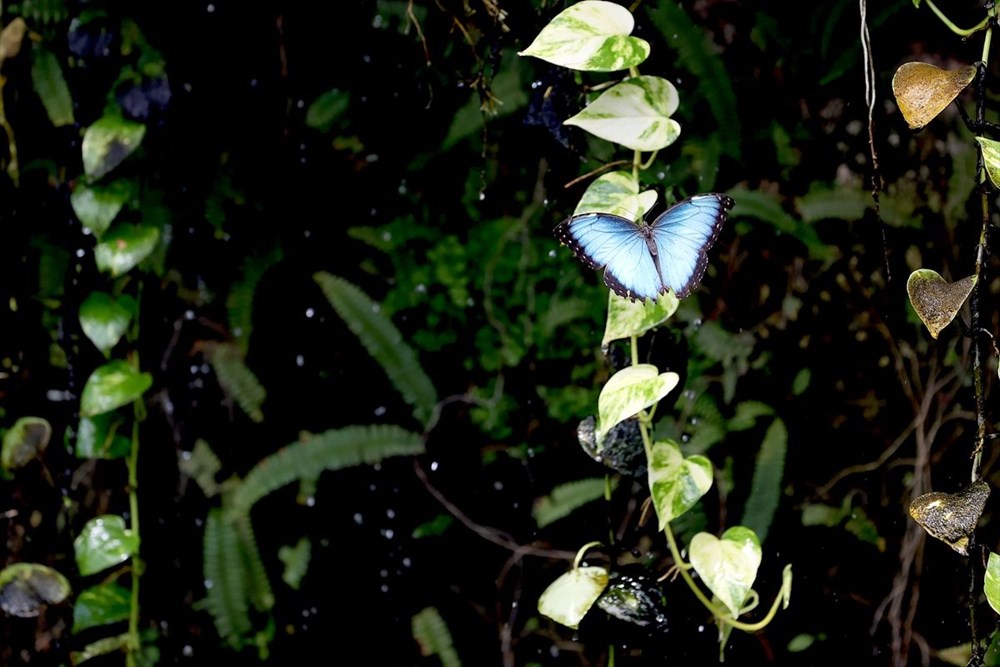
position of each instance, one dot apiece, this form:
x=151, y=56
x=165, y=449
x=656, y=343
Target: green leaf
x=632, y=318
x=236, y=379
x=296, y=560
x=747, y=414
x=224, y=567
x=107, y=142
x=102, y=604
x=630, y=390
x=991, y=583
x=765, y=492
x=568, y=599
x=567, y=497
x=104, y=320
x=124, y=247
x=327, y=108
x=591, y=36
x=100, y=647
x=432, y=634
x=98, y=437
x=24, y=441
x=50, y=84
x=383, y=341
x=111, y=386
x=728, y=566
x=97, y=205
x=801, y=381
x=103, y=543
x=616, y=193
x=202, y=465
x=634, y=113
x=26, y=587
x=676, y=483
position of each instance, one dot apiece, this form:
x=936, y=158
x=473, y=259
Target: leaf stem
x=963, y=32
x=683, y=568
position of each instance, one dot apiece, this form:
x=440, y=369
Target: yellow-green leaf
x=634, y=113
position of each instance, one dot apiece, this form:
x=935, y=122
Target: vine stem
x=964, y=32
x=134, y=642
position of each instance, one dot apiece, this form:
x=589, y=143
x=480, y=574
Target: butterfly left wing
x=682, y=236
x=617, y=245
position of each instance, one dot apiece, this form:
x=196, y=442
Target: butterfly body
x=642, y=261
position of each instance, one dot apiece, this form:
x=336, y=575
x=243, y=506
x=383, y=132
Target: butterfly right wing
x=614, y=243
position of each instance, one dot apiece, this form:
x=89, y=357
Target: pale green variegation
x=634, y=318
x=991, y=156
x=629, y=391
x=568, y=599
x=786, y=586
x=592, y=36
x=107, y=142
x=97, y=205
x=635, y=114
x=676, y=483
x=125, y=246
x=728, y=566
x=616, y=193
x=991, y=582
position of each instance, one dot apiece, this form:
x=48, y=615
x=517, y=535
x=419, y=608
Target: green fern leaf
x=383, y=341
x=44, y=12
x=225, y=581
x=330, y=450
x=765, y=491
x=696, y=54
x=258, y=585
x=239, y=303
x=236, y=379
x=565, y=498
x=432, y=635
x=202, y=465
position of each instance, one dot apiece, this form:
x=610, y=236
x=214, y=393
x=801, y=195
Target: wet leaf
x=635, y=599
x=568, y=599
x=97, y=205
x=103, y=543
x=50, y=84
x=111, y=386
x=935, y=300
x=923, y=90
x=104, y=319
x=951, y=517
x=676, y=483
x=101, y=605
x=728, y=566
x=631, y=318
x=26, y=587
x=592, y=36
x=24, y=441
x=616, y=193
x=107, y=142
x=124, y=247
x=101, y=437
x=630, y=390
x=621, y=448
x=634, y=113
x=991, y=582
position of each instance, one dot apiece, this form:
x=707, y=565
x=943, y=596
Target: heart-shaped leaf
x=592, y=36
x=676, y=483
x=634, y=318
x=103, y=543
x=26, y=587
x=728, y=566
x=951, y=517
x=101, y=605
x=104, y=320
x=568, y=599
x=97, y=205
x=991, y=157
x=24, y=441
x=107, y=142
x=634, y=113
x=991, y=582
x=935, y=300
x=630, y=390
x=99, y=437
x=923, y=91
x=616, y=193
x=124, y=247
x=111, y=386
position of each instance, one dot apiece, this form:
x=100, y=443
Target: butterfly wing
x=617, y=245
x=682, y=236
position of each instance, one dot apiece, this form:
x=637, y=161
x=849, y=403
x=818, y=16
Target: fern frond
x=258, y=585
x=431, y=632
x=202, y=465
x=296, y=559
x=239, y=303
x=330, y=450
x=43, y=12
x=225, y=579
x=565, y=498
x=696, y=54
x=236, y=379
x=383, y=341
x=765, y=491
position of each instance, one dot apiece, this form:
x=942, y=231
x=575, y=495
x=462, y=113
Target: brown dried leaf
x=935, y=300
x=923, y=90
x=952, y=517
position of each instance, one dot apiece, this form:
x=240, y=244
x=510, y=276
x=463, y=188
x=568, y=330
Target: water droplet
x=310, y=313
x=421, y=289
x=187, y=651
x=376, y=307
x=407, y=562
x=311, y=501
x=498, y=485
x=189, y=315
x=402, y=188
x=210, y=8
x=359, y=518
x=300, y=104
x=390, y=513
x=434, y=466
x=380, y=411
x=384, y=588
x=300, y=361
x=209, y=584
x=80, y=252
x=254, y=83
x=388, y=533
x=482, y=196
x=377, y=21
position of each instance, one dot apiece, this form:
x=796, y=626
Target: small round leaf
x=111, y=386
x=26, y=587
x=103, y=543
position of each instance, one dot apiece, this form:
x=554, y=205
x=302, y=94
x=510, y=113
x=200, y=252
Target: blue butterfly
x=642, y=261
